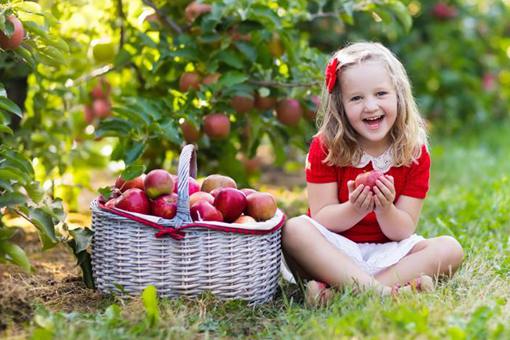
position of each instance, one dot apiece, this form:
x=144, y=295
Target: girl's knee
x=450, y=250
x=295, y=229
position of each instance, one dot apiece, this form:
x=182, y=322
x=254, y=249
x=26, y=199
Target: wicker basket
x=185, y=258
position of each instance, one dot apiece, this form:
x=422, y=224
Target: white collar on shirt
x=382, y=162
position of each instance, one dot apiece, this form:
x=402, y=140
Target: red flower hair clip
x=331, y=74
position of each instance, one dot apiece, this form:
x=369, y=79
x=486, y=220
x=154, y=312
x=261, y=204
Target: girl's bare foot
x=317, y=294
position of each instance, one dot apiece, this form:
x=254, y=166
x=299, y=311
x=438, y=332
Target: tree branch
x=283, y=85
x=166, y=21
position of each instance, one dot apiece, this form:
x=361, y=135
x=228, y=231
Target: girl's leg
x=436, y=256
x=309, y=253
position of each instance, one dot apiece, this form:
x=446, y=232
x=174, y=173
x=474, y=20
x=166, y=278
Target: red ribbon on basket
x=163, y=231
x=179, y=234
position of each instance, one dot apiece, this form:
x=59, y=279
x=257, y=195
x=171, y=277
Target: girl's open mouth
x=373, y=122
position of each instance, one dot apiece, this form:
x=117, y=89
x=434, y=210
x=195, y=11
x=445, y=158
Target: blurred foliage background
x=110, y=86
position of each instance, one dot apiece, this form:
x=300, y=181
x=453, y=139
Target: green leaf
x=402, y=14
x=28, y=6
x=35, y=192
x=129, y=114
x=247, y=50
x=232, y=78
x=5, y=129
x=82, y=237
x=7, y=233
x=230, y=58
x=9, y=174
x=14, y=254
x=114, y=127
x=10, y=106
x=132, y=171
x=84, y=261
x=53, y=55
x=18, y=161
x=44, y=223
x=170, y=132
x=12, y=199
x=27, y=56
x=150, y=302
x=134, y=152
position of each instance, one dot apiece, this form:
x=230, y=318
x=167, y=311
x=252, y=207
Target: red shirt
x=410, y=181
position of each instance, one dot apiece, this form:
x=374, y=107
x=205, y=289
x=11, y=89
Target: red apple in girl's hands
x=367, y=178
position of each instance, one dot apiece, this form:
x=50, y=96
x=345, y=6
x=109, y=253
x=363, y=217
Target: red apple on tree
x=217, y=126
x=101, y=90
x=231, y=203
x=189, y=80
x=134, y=200
x=205, y=211
x=102, y=107
x=261, y=206
x=214, y=181
x=190, y=132
x=158, y=182
x=367, y=178
x=242, y=104
x=88, y=114
x=165, y=206
x=12, y=42
x=264, y=103
x=195, y=9
x=211, y=79
x=289, y=111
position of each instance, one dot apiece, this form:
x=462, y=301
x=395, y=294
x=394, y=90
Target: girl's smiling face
x=370, y=102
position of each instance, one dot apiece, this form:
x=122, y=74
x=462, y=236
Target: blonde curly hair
x=407, y=135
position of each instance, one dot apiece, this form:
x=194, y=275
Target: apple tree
x=28, y=45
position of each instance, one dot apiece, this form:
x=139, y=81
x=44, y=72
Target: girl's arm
x=397, y=221
x=328, y=211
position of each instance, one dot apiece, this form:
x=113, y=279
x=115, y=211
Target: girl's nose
x=371, y=104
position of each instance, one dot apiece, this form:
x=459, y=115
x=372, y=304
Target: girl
x=361, y=235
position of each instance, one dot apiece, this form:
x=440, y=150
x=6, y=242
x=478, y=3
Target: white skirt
x=371, y=257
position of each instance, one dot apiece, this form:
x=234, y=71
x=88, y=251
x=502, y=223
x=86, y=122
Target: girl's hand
x=384, y=192
x=361, y=197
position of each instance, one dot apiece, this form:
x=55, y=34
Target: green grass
x=469, y=199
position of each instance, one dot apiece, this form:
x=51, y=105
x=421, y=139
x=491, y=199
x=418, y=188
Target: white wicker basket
x=232, y=263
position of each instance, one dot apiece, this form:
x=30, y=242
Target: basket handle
x=187, y=167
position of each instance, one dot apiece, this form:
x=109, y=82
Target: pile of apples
x=215, y=199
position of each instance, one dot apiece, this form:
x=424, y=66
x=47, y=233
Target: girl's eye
x=381, y=93
x=356, y=98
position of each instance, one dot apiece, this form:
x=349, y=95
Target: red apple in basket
x=245, y=219
x=115, y=192
x=200, y=196
x=247, y=191
x=214, y=181
x=134, y=200
x=367, y=178
x=193, y=186
x=124, y=185
x=215, y=192
x=261, y=206
x=158, y=182
x=231, y=203
x=111, y=203
x=165, y=206
x=205, y=211
x=174, y=179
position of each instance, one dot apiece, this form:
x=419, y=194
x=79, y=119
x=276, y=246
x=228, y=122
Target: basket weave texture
x=127, y=257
